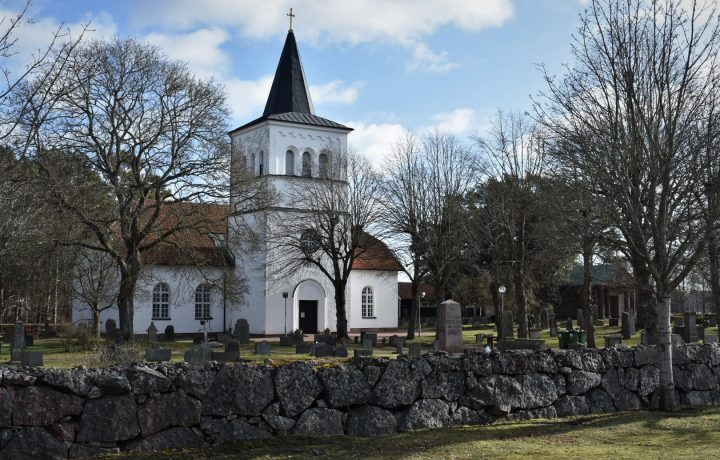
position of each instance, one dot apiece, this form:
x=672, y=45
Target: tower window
x=262, y=158
x=252, y=163
x=290, y=163
x=306, y=165
x=323, y=165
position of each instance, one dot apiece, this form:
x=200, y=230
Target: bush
x=79, y=338
x=112, y=354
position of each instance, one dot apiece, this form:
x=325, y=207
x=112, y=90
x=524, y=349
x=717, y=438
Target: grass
x=56, y=356
x=692, y=433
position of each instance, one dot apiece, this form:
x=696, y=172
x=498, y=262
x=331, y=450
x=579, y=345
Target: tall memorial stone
x=552, y=325
x=507, y=325
x=544, y=319
x=690, y=332
x=627, y=326
x=242, y=331
x=580, y=318
x=450, y=327
x=17, y=347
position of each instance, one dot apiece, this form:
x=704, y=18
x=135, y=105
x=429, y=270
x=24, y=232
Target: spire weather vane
x=292, y=16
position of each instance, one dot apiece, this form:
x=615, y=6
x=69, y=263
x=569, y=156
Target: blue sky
x=380, y=66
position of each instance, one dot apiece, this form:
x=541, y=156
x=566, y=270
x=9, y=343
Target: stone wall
x=50, y=413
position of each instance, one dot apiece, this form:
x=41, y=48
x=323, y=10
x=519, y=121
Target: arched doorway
x=309, y=300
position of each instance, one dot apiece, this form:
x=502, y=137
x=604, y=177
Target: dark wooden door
x=308, y=316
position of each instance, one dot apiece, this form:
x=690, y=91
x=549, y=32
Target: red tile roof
x=192, y=243
x=375, y=255
x=405, y=291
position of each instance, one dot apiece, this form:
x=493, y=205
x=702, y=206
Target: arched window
x=262, y=162
x=202, y=302
x=290, y=163
x=306, y=165
x=368, y=309
x=310, y=240
x=323, y=165
x=161, y=301
x=252, y=163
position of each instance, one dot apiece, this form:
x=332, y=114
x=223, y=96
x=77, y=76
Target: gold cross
x=292, y=16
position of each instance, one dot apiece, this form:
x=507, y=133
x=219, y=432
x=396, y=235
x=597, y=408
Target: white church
x=288, y=146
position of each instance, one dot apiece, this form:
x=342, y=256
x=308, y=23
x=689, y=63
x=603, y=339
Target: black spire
x=289, y=92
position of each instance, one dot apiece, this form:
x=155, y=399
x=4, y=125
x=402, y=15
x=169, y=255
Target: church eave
x=294, y=118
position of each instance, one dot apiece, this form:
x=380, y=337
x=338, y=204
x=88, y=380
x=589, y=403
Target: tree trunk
x=713, y=254
x=667, y=386
x=414, y=308
x=647, y=307
x=340, y=309
x=586, y=302
x=96, y=322
x=126, y=293
x=521, y=301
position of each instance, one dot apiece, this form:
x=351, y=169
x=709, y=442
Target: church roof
x=289, y=98
x=375, y=255
x=200, y=227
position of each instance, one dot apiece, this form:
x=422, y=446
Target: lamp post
x=422, y=297
x=501, y=290
x=285, y=296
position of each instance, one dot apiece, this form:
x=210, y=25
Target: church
x=289, y=146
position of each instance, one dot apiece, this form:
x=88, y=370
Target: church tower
x=288, y=145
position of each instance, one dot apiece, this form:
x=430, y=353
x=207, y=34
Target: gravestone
x=580, y=318
x=552, y=325
x=198, y=354
x=152, y=332
x=569, y=324
x=398, y=347
x=371, y=335
x=507, y=325
x=242, y=331
x=626, y=332
x=436, y=346
x=450, y=327
x=17, y=347
x=710, y=338
x=690, y=331
x=287, y=340
x=117, y=336
x=341, y=352
x=232, y=345
x=613, y=340
x=32, y=358
x=263, y=348
x=110, y=326
x=169, y=332
x=367, y=343
x=544, y=319
x=302, y=348
x=530, y=321
x=534, y=333
x=415, y=349
x=394, y=339
x=157, y=353
x=324, y=351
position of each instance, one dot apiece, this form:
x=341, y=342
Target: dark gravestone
x=117, y=336
x=287, y=340
x=450, y=327
x=700, y=333
x=415, y=349
x=507, y=325
x=110, y=326
x=626, y=331
x=369, y=335
x=690, y=327
x=394, y=339
x=569, y=324
x=263, y=348
x=580, y=318
x=242, y=331
x=169, y=332
x=534, y=333
x=341, y=352
x=232, y=345
x=32, y=358
x=398, y=348
x=367, y=343
x=613, y=340
x=552, y=325
x=225, y=356
x=302, y=348
x=152, y=332
x=324, y=351
x=198, y=354
x=158, y=354
x=17, y=347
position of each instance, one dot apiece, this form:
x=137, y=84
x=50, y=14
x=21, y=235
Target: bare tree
x=405, y=212
x=328, y=228
x=643, y=73
x=153, y=135
x=96, y=282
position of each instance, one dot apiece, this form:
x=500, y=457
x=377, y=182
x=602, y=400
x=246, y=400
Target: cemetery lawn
x=691, y=433
x=56, y=354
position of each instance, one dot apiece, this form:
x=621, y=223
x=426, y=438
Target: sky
x=382, y=67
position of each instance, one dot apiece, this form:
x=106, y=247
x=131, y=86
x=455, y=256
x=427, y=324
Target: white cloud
x=458, y=122
x=200, y=49
x=246, y=98
x=374, y=140
x=335, y=92
x=425, y=60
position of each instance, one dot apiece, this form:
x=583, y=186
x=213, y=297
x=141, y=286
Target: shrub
x=112, y=354
x=79, y=338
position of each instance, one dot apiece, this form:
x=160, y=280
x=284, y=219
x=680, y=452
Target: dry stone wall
x=50, y=413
